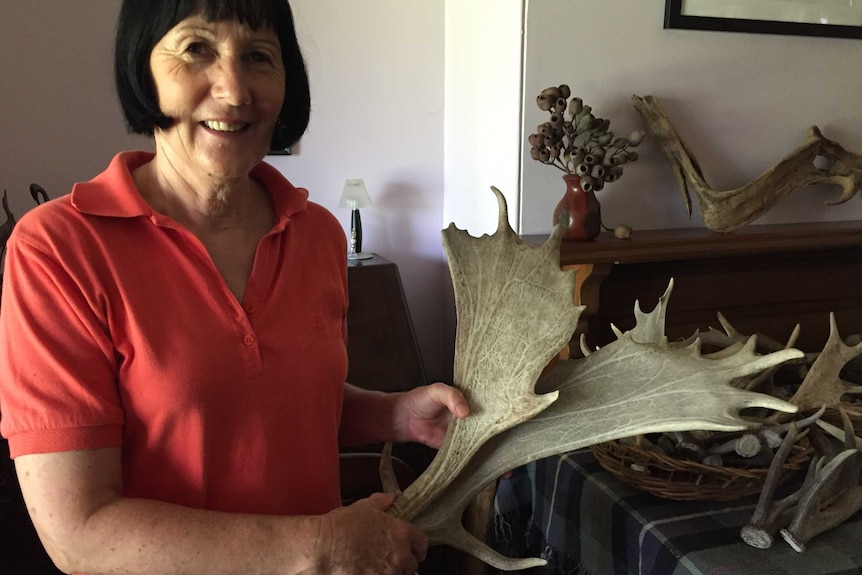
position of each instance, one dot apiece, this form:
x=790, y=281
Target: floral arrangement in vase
x=579, y=144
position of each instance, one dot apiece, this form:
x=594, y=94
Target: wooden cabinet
x=763, y=278
x=382, y=350
x=381, y=344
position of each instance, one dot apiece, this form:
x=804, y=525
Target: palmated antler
x=626, y=388
x=515, y=312
x=724, y=211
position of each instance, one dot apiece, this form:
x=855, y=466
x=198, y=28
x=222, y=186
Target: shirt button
x=250, y=309
x=248, y=340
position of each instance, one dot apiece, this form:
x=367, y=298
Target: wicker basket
x=673, y=478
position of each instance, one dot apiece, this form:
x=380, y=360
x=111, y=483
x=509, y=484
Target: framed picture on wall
x=835, y=18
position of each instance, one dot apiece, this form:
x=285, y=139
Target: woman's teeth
x=223, y=126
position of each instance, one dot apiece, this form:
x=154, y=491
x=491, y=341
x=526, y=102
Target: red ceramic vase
x=582, y=209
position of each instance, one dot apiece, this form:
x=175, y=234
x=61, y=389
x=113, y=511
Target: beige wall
x=740, y=101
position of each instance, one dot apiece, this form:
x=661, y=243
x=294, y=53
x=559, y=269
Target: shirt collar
x=113, y=193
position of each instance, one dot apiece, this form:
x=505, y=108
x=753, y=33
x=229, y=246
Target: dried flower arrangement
x=578, y=143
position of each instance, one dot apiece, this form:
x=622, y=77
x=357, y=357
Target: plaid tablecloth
x=580, y=518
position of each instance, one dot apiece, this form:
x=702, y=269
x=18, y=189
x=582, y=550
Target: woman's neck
x=199, y=203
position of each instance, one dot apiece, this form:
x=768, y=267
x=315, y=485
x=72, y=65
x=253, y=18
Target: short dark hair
x=142, y=24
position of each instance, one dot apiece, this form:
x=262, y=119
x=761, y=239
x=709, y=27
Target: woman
x=172, y=342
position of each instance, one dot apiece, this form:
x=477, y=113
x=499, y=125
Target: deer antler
x=515, y=312
x=822, y=384
x=625, y=388
x=724, y=211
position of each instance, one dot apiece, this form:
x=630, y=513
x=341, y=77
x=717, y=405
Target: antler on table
x=727, y=210
x=515, y=311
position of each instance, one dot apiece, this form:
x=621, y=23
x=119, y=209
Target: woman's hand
x=363, y=539
x=423, y=414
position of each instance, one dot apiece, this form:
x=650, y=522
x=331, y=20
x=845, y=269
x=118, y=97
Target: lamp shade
x=354, y=196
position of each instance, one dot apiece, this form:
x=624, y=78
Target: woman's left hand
x=423, y=414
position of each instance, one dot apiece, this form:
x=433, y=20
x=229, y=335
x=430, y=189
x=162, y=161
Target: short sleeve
x=58, y=368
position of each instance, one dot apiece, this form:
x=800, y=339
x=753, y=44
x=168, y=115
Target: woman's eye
x=196, y=48
x=260, y=57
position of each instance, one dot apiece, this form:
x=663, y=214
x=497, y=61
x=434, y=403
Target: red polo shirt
x=117, y=330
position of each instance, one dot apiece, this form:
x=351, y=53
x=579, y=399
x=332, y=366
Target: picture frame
x=828, y=18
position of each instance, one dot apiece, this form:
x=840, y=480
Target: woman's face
x=223, y=83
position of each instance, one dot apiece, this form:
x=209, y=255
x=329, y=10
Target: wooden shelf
x=764, y=279
x=700, y=243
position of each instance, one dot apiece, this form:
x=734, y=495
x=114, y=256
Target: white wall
x=740, y=101
x=483, y=111
x=376, y=72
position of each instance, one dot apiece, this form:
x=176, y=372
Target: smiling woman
x=172, y=342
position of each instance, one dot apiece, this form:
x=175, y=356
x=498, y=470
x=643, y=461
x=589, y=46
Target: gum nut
x=548, y=141
x=535, y=139
x=544, y=103
x=544, y=129
x=544, y=155
x=557, y=120
x=598, y=185
x=560, y=104
x=623, y=232
x=633, y=156
x=555, y=153
x=535, y=153
x=565, y=91
x=551, y=93
x=636, y=137
x=575, y=106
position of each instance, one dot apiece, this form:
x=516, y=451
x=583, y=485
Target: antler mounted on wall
x=727, y=210
x=515, y=311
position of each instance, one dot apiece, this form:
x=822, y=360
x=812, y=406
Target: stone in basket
x=702, y=465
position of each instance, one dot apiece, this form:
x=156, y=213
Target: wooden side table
x=381, y=344
x=763, y=278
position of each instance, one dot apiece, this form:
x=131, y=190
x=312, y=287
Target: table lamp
x=355, y=196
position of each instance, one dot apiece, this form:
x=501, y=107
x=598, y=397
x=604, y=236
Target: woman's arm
x=74, y=499
x=421, y=414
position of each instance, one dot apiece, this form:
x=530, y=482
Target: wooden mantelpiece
x=763, y=278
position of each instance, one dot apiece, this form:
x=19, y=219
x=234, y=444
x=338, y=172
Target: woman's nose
x=229, y=82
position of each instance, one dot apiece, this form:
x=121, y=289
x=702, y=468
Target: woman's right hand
x=363, y=539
